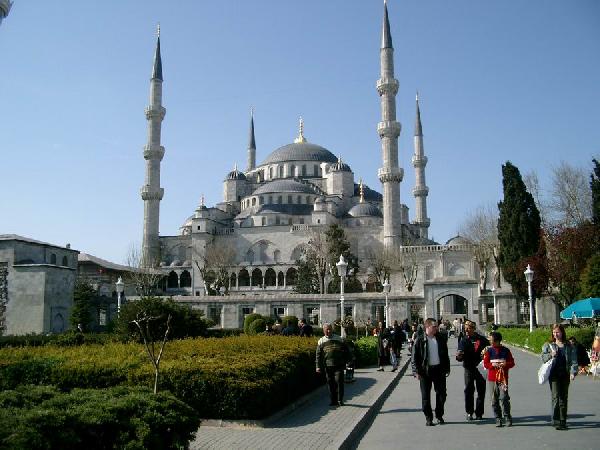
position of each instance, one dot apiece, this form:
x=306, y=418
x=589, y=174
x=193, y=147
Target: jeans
x=335, y=381
x=393, y=359
x=500, y=400
x=559, y=388
x=473, y=379
x=437, y=378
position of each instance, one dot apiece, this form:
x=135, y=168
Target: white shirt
x=433, y=355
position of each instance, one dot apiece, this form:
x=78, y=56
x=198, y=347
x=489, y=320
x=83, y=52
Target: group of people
x=389, y=344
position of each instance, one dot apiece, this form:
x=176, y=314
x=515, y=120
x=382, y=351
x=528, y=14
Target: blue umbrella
x=587, y=308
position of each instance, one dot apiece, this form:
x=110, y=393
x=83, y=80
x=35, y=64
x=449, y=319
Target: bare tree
x=395, y=259
x=316, y=253
x=532, y=183
x=142, y=322
x=217, y=258
x=146, y=278
x=571, y=195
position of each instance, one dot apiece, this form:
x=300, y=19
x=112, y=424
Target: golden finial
x=361, y=190
x=300, y=139
x=158, y=29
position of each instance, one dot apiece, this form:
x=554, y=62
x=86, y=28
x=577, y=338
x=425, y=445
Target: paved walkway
x=400, y=422
x=388, y=406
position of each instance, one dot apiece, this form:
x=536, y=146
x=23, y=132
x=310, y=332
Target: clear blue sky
x=505, y=80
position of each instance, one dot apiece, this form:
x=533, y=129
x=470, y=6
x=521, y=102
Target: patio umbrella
x=587, y=308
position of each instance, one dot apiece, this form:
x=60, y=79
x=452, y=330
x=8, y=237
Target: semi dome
x=300, y=151
x=365, y=209
x=458, y=240
x=340, y=166
x=285, y=185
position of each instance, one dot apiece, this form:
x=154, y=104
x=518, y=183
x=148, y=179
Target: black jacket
x=471, y=348
x=420, y=364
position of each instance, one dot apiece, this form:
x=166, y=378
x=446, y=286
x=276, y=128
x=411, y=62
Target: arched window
x=280, y=171
x=243, y=278
x=280, y=199
x=291, y=276
x=316, y=170
x=270, y=173
x=52, y=258
x=307, y=200
x=232, y=279
x=257, y=279
x=253, y=201
x=185, y=279
x=292, y=170
x=280, y=279
x=277, y=256
x=270, y=199
x=290, y=199
x=263, y=221
x=65, y=261
x=270, y=277
x=299, y=199
x=172, y=281
x=303, y=170
x=261, y=200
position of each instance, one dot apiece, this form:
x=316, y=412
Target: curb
x=349, y=435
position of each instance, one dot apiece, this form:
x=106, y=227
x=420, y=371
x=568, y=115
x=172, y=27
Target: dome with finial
x=300, y=150
x=365, y=209
x=235, y=174
x=340, y=166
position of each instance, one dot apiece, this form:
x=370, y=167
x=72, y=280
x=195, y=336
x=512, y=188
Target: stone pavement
x=400, y=421
x=312, y=424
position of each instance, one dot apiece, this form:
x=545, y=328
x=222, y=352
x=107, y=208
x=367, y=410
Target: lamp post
x=386, y=288
x=496, y=308
x=342, y=266
x=529, y=277
x=120, y=288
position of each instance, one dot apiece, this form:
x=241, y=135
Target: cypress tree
x=595, y=187
x=518, y=228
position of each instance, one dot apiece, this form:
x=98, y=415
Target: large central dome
x=300, y=151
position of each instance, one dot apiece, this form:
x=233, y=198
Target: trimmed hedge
x=245, y=377
x=365, y=351
x=66, y=339
x=521, y=337
x=42, y=417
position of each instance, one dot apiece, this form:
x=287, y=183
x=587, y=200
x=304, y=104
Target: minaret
x=151, y=192
x=4, y=9
x=251, y=144
x=420, y=190
x=390, y=174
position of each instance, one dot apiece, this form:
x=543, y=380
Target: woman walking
x=564, y=369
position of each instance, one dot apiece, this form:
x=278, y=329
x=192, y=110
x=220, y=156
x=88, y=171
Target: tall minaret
x=420, y=190
x=151, y=192
x=251, y=144
x=390, y=174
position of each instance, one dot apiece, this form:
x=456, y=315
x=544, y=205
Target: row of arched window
x=65, y=260
x=281, y=199
x=242, y=279
x=288, y=171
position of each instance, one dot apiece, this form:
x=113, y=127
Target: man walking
x=331, y=358
x=469, y=353
x=431, y=365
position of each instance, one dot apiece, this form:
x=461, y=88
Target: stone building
x=270, y=209
x=37, y=280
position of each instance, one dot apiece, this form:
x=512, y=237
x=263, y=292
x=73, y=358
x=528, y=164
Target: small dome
x=370, y=195
x=285, y=185
x=187, y=263
x=175, y=263
x=340, y=166
x=235, y=174
x=300, y=151
x=458, y=240
x=365, y=209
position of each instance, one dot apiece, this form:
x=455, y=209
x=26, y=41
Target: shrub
x=365, y=351
x=257, y=326
x=289, y=320
x=36, y=417
x=521, y=337
x=249, y=319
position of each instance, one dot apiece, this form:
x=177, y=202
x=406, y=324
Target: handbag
x=482, y=370
x=544, y=371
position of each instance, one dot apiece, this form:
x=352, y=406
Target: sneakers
x=508, y=420
x=394, y=369
x=341, y=403
x=429, y=422
x=440, y=421
x=478, y=417
x=469, y=417
x=562, y=426
x=499, y=422
x=380, y=369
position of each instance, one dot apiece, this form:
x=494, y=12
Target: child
x=498, y=360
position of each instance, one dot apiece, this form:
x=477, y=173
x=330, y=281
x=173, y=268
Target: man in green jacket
x=331, y=357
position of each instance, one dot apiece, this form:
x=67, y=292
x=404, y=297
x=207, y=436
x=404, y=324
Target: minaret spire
x=420, y=191
x=390, y=174
x=251, y=143
x=151, y=191
x=300, y=139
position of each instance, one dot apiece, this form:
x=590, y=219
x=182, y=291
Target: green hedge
x=534, y=341
x=64, y=339
x=42, y=417
x=365, y=350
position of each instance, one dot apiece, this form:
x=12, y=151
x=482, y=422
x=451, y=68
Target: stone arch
x=58, y=323
x=280, y=279
x=452, y=303
x=232, y=280
x=298, y=252
x=456, y=269
x=52, y=258
x=243, y=278
x=185, y=279
x=291, y=276
x=172, y=280
x=263, y=251
x=250, y=256
x=270, y=277
x=65, y=261
x=257, y=277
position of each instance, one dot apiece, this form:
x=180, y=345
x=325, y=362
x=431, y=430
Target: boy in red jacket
x=498, y=360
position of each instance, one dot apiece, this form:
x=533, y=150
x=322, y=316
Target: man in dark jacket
x=331, y=357
x=431, y=365
x=469, y=353
x=305, y=329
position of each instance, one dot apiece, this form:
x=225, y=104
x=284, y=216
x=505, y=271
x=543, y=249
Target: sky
x=498, y=81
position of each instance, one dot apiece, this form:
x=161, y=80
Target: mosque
x=272, y=208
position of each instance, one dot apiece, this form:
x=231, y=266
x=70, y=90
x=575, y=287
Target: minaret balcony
x=423, y=223
x=389, y=128
x=152, y=113
x=154, y=152
x=420, y=191
x=390, y=174
x=419, y=161
x=387, y=86
x=150, y=193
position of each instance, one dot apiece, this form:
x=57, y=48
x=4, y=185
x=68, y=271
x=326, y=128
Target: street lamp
x=120, y=288
x=386, y=288
x=342, y=266
x=529, y=277
x=496, y=306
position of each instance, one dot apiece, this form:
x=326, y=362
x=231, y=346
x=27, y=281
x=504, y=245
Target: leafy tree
x=518, y=228
x=338, y=245
x=590, y=278
x=595, y=187
x=82, y=301
x=307, y=282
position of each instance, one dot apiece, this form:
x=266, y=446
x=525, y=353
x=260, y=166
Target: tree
x=595, y=188
x=145, y=277
x=590, y=278
x=213, y=264
x=308, y=280
x=395, y=259
x=518, y=228
x=532, y=183
x=82, y=302
x=337, y=244
x=569, y=250
x=571, y=198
